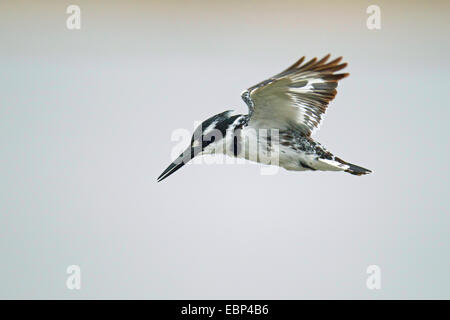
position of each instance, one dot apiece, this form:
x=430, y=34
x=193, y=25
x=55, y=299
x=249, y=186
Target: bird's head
x=208, y=137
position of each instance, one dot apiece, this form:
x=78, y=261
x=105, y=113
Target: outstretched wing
x=297, y=97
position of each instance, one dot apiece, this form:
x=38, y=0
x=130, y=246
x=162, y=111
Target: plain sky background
x=86, y=118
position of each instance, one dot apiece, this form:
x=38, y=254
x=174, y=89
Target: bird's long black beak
x=184, y=158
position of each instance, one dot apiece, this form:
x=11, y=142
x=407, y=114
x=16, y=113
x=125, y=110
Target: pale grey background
x=85, y=124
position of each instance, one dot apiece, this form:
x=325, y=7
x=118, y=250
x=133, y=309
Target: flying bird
x=291, y=104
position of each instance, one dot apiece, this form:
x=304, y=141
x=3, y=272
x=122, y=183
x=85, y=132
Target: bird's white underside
x=255, y=148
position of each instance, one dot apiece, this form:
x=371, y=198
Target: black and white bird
x=291, y=104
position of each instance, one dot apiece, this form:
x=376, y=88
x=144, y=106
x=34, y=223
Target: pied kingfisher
x=291, y=104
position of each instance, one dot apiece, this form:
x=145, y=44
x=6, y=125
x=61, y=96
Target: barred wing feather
x=297, y=97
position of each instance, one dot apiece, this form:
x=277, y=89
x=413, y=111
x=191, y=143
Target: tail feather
x=357, y=170
x=353, y=168
x=337, y=164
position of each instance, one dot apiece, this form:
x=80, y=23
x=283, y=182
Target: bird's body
x=288, y=148
x=283, y=112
